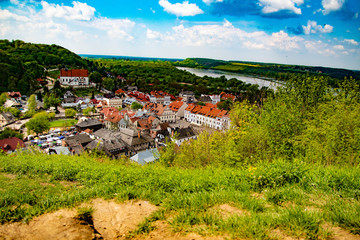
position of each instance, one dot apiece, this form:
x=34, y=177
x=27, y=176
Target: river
x=229, y=75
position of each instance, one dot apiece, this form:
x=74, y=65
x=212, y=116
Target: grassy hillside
x=22, y=63
x=297, y=199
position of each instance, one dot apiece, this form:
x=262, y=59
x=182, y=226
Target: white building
x=74, y=77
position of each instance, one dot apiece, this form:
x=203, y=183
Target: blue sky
x=304, y=32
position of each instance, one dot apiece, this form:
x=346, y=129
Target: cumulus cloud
x=181, y=9
x=115, y=28
x=351, y=41
x=208, y=2
x=273, y=6
x=339, y=47
x=331, y=5
x=225, y=34
x=6, y=15
x=313, y=27
x=79, y=11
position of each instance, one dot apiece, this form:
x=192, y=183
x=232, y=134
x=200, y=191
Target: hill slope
x=22, y=63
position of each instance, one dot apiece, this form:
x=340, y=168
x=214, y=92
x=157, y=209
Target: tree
x=51, y=100
x=39, y=123
x=16, y=112
x=3, y=97
x=70, y=112
x=136, y=106
x=88, y=111
x=109, y=83
x=96, y=78
x=32, y=103
x=8, y=133
x=225, y=105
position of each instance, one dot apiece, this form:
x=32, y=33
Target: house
x=69, y=97
x=179, y=108
x=163, y=112
x=182, y=134
x=205, y=99
x=111, y=117
x=15, y=96
x=59, y=150
x=136, y=142
x=161, y=97
x=92, y=124
x=215, y=99
x=11, y=144
x=188, y=96
x=77, y=143
x=115, y=148
x=6, y=118
x=145, y=124
x=115, y=102
x=227, y=96
x=207, y=116
x=74, y=77
x=147, y=156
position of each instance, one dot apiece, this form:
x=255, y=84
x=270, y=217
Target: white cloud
x=7, y=15
x=152, y=10
x=273, y=6
x=339, y=47
x=181, y=9
x=80, y=11
x=351, y=41
x=115, y=28
x=312, y=27
x=208, y=2
x=331, y=5
x=223, y=35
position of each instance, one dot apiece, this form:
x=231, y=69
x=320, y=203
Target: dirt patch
x=47, y=184
x=57, y=225
x=111, y=220
x=227, y=210
x=337, y=233
x=278, y=234
x=9, y=175
x=69, y=183
x=163, y=231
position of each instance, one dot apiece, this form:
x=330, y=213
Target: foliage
x=70, y=112
x=51, y=101
x=32, y=104
x=14, y=111
x=39, y=123
x=22, y=63
x=88, y=111
x=108, y=83
x=8, y=133
x=136, y=106
x=190, y=200
x=3, y=97
x=95, y=77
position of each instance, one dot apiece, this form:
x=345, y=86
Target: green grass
x=284, y=198
x=63, y=123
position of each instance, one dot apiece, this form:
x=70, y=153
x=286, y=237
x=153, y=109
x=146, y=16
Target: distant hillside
x=22, y=63
x=277, y=71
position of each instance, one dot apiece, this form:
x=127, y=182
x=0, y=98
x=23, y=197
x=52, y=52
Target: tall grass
x=274, y=195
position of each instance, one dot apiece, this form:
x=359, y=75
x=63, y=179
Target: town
x=126, y=122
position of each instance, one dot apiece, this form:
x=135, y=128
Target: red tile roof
x=119, y=91
x=74, y=73
x=175, y=106
x=10, y=144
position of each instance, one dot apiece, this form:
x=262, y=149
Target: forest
x=282, y=72
x=22, y=63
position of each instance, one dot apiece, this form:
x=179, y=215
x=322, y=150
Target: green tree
x=136, y=106
x=96, y=78
x=8, y=133
x=88, y=111
x=39, y=123
x=16, y=112
x=32, y=103
x=109, y=83
x=51, y=101
x=70, y=112
x=3, y=97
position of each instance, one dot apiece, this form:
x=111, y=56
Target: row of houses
x=208, y=116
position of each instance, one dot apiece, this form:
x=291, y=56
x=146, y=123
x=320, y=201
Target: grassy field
x=297, y=199
x=63, y=123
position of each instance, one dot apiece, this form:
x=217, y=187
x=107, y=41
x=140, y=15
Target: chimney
x=172, y=133
x=138, y=134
